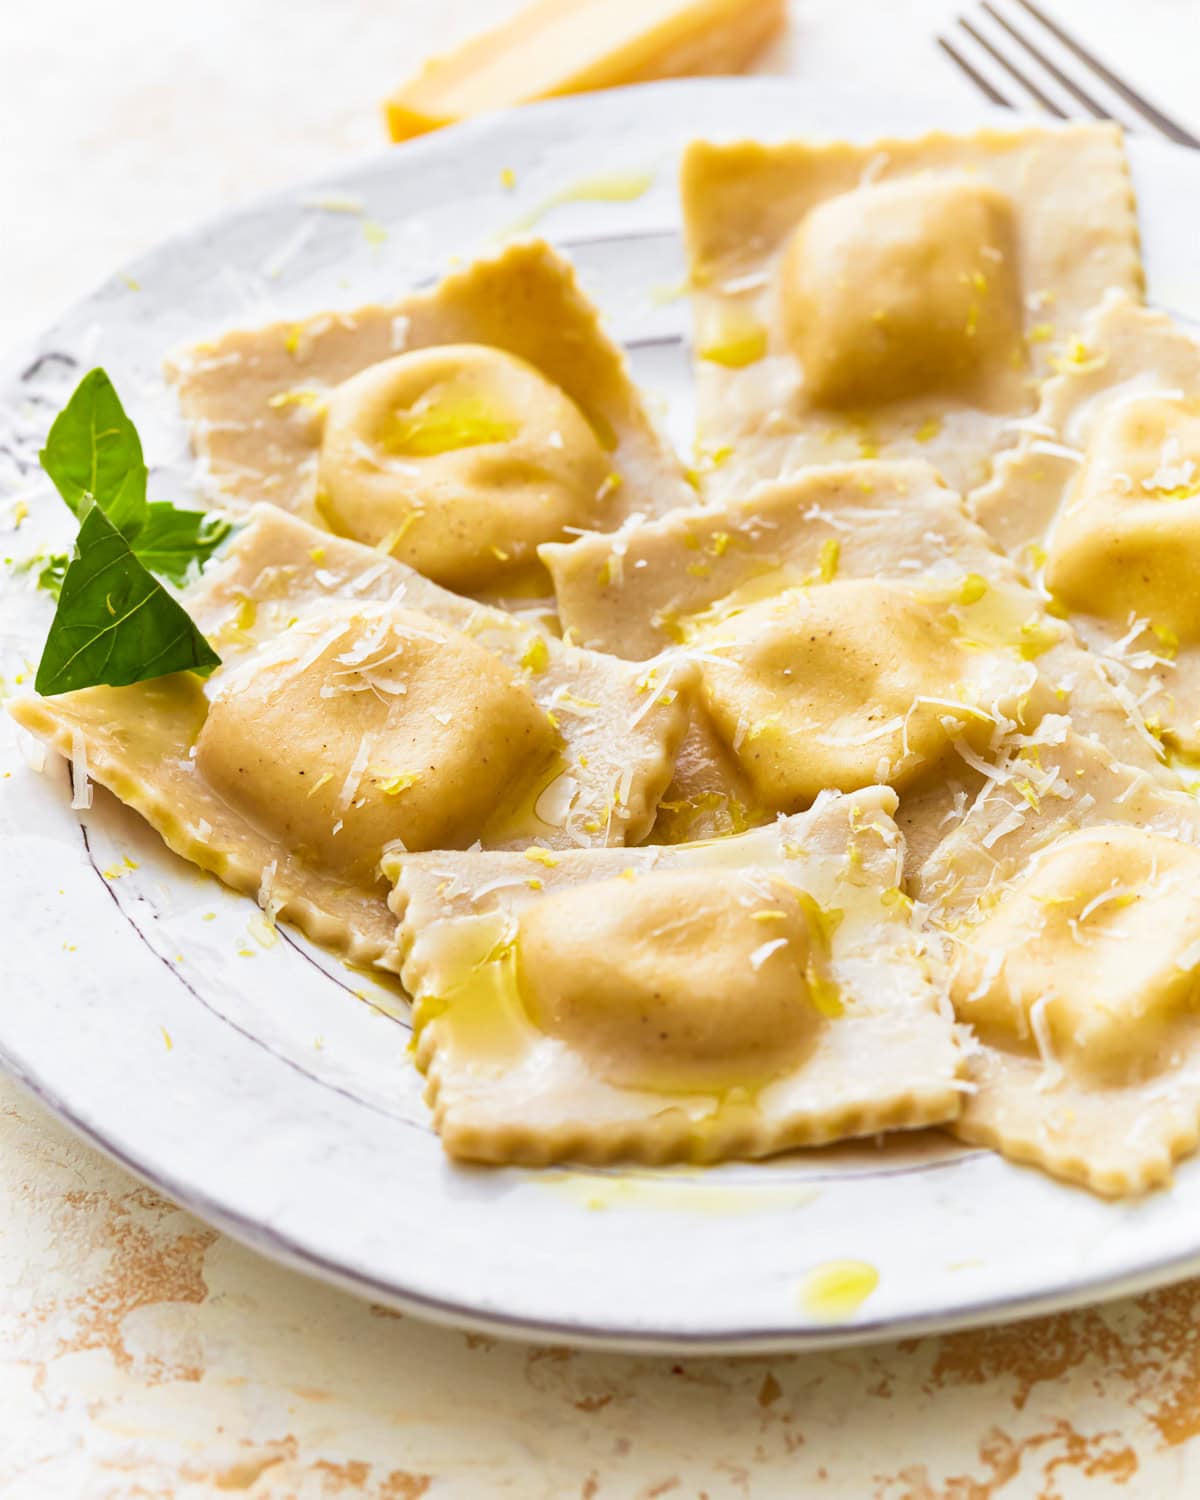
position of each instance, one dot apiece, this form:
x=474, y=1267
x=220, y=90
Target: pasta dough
x=360, y=706
x=390, y=725
x=473, y=452
x=456, y=428
x=900, y=298
x=1100, y=500
x=903, y=288
x=694, y=1003
x=818, y=820
x=851, y=625
x=1069, y=897
x=847, y=684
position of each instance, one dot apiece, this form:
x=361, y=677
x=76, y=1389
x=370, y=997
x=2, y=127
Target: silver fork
x=1027, y=62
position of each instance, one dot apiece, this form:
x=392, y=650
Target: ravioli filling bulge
x=894, y=298
x=364, y=724
x=677, y=980
x=1092, y=955
x=727, y=998
x=901, y=288
x=846, y=684
x=1127, y=543
x=459, y=460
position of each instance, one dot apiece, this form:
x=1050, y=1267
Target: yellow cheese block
x=558, y=47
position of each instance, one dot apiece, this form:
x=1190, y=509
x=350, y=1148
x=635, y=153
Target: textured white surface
x=145, y=1355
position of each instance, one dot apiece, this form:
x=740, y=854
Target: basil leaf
x=93, y=451
x=50, y=568
x=52, y=572
x=115, y=624
x=170, y=540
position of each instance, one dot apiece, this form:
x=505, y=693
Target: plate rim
x=456, y=1315
x=460, y=1314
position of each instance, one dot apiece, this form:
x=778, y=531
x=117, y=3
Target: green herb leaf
x=170, y=540
x=50, y=567
x=115, y=624
x=93, y=451
x=52, y=572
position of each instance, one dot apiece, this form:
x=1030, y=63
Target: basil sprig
x=115, y=623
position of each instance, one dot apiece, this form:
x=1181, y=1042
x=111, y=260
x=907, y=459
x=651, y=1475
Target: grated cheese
x=977, y=763
x=1174, y=472
x=890, y=727
x=764, y=951
x=1056, y=450
x=556, y=801
x=1114, y=893
x=1010, y=824
x=33, y=752
x=272, y=268
x=1052, y=1074
x=355, y=774
x=81, y=787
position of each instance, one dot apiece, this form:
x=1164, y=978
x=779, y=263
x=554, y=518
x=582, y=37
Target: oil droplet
x=667, y=292
x=607, y=187
x=674, y=1191
x=834, y=1291
x=739, y=344
x=455, y=421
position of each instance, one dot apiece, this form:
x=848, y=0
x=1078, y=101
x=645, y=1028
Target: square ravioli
x=727, y=999
x=850, y=626
x=1070, y=899
x=360, y=707
x=900, y=298
x=1100, y=501
x=455, y=428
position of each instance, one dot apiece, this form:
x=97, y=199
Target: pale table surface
x=143, y=1354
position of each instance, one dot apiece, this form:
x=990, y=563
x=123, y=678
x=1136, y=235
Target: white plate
x=287, y=1110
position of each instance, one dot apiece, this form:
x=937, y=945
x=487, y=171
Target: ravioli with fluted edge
x=703, y=813
x=1100, y=500
x=698, y=1002
x=1070, y=897
x=361, y=707
x=456, y=429
x=850, y=626
x=900, y=298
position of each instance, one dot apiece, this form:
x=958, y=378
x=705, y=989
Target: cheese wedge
x=556, y=47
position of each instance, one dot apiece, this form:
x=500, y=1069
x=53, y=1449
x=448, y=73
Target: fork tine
x=1009, y=67
x=1164, y=123
x=1055, y=72
x=981, y=83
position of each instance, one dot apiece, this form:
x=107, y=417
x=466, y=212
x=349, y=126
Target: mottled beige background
x=144, y=1355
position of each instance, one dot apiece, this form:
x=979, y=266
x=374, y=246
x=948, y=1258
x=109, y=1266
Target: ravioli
x=1101, y=501
x=850, y=626
x=901, y=298
x=1070, y=895
x=359, y=707
x=702, y=1002
x=390, y=725
x=456, y=429
x=846, y=684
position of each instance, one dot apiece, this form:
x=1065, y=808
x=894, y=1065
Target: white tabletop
x=144, y=1355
